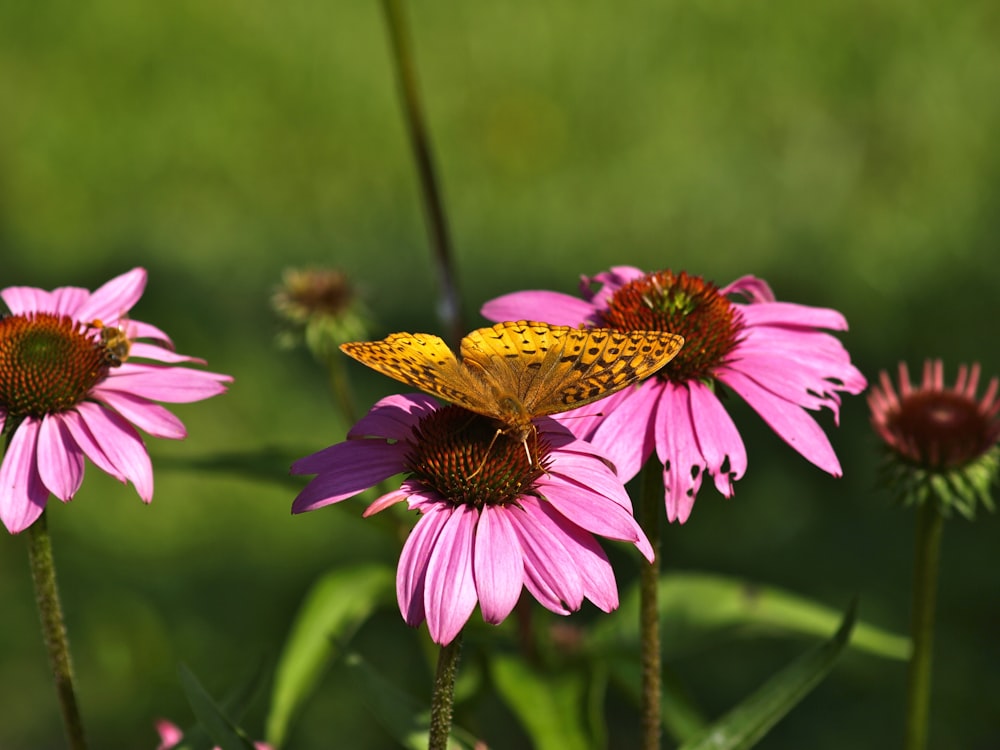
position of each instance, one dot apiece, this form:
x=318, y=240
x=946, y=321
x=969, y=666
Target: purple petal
x=497, y=564
x=610, y=282
x=450, y=588
x=792, y=423
x=394, y=417
x=140, y=330
x=550, y=573
x=595, y=513
x=26, y=299
x=60, y=460
x=83, y=437
x=121, y=444
x=590, y=560
x=22, y=494
x=157, y=353
x=754, y=289
x=795, y=316
x=413, y=560
x=387, y=500
x=718, y=439
x=677, y=447
x=115, y=298
x=345, y=469
x=587, y=469
x=625, y=436
x=551, y=307
x=147, y=416
x=175, y=385
x=66, y=300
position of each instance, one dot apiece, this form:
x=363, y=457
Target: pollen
x=466, y=458
x=684, y=304
x=48, y=364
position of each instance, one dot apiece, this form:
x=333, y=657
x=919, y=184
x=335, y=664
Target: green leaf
x=397, y=712
x=745, y=724
x=219, y=727
x=550, y=706
x=332, y=612
x=698, y=609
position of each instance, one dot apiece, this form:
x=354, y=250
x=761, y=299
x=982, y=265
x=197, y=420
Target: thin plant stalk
x=650, y=510
x=925, y=574
x=444, y=694
x=43, y=576
x=413, y=111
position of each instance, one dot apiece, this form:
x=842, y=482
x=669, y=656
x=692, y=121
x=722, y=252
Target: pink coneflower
x=941, y=442
x=773, y=354
x=70, y=387
x=492, y=521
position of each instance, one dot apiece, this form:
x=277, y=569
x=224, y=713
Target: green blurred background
x=846, y=151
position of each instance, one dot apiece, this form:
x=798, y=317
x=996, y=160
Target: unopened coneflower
x=940, y=441
x=321, y=308
x=491, y=522
x=941, y=454
x=775, y=355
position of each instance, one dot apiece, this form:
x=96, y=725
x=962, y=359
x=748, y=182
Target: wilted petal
x=718, y=439
x=677, y=447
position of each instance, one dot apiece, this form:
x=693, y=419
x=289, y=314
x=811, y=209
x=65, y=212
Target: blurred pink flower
x=773, y=354
x=70, y=387
x=171, y=735
x=491, y=521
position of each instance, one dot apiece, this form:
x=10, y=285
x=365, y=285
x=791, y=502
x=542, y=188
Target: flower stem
x=437, y=223
x=444, y=694
x=43, y=575
x=925, y=572
x=340, y=387
x=650, y=510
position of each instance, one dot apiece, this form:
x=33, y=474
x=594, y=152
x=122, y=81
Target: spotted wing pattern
x=550, y=369
x=423, y=361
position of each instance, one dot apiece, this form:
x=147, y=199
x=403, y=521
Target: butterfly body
x=516, y=371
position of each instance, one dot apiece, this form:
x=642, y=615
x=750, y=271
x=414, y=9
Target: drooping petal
x=411, y=573
x=394, y=417
x=497, y=564
x=121, y=444
x=792, y=423
x=115, y=298
x=754, y=289
x=549, y=307
x=60, y=460
x=625, y=436
x=589, y=560
x=450, y=587
x=345, y=469
x=718, y=439
x=549, y=569
x=175, y=385
x=677, y=447
x=152, y=418
x=83, y=437
x=22, y=494
x=594, y=512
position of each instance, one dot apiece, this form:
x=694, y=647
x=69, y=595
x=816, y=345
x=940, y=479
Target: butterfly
x=513, y=372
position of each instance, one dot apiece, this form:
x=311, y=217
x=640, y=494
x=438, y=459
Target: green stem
x=437, y=224
x=340, y=387
x=43, y=575
x=650, y=513
x=925, y=573
x=444, y=694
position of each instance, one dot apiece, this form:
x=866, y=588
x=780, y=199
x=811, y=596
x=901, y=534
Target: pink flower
x=70, y=387
x=171, y=736
x=492, y=522
x=773, y=354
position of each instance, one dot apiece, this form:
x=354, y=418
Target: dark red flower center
x=48, y=364
x=465, y=457
x=941, y=429
x=679, y=303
